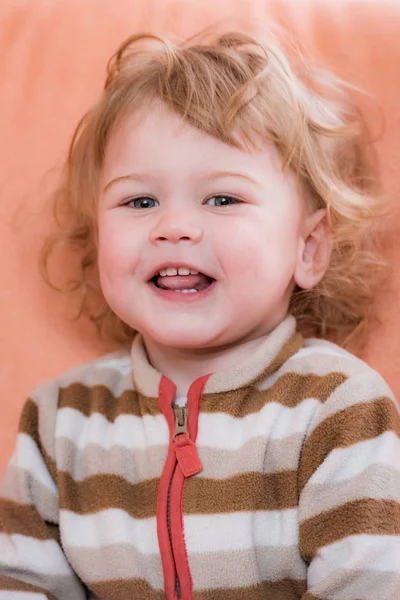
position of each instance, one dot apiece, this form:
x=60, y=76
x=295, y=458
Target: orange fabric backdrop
x=52, y=66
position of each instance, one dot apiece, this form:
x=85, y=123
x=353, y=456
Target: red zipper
x=182, y=462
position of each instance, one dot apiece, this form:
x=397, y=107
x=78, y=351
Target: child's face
x=185, y=218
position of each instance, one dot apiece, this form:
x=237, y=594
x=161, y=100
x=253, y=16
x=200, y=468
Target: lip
x=178, y=264
x=182, y=298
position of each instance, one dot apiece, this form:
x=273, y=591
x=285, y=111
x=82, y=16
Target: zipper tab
x=187, y=456
x=181, y=421
x=185, y=449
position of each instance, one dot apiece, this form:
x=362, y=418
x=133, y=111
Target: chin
x=174, y=338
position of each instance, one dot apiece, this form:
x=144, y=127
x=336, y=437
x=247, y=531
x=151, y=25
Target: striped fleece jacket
x=279, y=479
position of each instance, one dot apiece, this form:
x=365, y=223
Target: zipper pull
x=181, y=421
x=185, y=449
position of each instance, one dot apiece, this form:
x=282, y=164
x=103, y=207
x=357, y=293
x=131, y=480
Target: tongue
x=184, y=282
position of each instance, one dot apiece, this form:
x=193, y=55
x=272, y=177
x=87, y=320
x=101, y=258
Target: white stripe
x=122, y=364
x=346, y=463
x=241, y=530
x=218, y=532
x=318, y=350
x=21, y=596
x=366, y=386
x=315, y=360
x=24, y=553
x=216, y=430
x=113, y=370
x=379, y=553
x=111, y=526
x=119, y=361
x=128, y=431
x=273, y=421
x=28, y=458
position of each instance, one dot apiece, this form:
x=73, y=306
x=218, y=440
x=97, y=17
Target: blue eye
x=143, y=202
x=222, y=200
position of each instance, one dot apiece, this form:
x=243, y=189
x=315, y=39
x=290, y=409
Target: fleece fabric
x=297, y=495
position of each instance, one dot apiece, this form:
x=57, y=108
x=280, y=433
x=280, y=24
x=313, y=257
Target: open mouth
x=182, y=280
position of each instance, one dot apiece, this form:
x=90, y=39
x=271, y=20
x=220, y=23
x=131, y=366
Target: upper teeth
x=172, y=271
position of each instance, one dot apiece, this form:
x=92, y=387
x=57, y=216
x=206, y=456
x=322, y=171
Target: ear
x=314, y=251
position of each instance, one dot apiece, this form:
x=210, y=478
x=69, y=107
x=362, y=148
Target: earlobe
x=315, y=251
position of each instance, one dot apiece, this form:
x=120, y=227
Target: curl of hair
x=242, y=90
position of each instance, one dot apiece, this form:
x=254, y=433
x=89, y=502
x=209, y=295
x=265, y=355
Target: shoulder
x=112, y=372
x=319, y=355
x=356, y=395
x=336, y=382
x=77, y=387
x=323, y=359
x=108, y=370
x=358, y=417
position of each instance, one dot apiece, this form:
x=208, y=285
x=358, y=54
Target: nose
x=175, y=228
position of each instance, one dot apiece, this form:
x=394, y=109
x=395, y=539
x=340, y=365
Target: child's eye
x=142, y=202
x=222, y=200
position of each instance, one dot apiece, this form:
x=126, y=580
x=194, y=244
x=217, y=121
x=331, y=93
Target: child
x=219, y=195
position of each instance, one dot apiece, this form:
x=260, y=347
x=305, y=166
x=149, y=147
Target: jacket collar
x=278, y=347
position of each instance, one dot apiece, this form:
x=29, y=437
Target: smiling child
x=231, y=450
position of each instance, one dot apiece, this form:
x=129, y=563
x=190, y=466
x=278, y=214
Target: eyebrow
x=211, y=176
x=222, y=174
x=130, y=177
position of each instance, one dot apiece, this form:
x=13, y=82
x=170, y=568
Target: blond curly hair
x=230, y=84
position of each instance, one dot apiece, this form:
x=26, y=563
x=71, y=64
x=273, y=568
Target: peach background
x=52, y=65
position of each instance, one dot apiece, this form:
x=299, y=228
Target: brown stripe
x=292, y=346
x=54, y=532
x=102, y=492
x=13, y=585
x=374, y=517
x=29, y=421
x=247, y=491
x=284, y=589
x=244, y=492
x=289, y=390
x=29, y=425
x=344, y=428
x=25, y=520
x=126, y=589
x=100, y=399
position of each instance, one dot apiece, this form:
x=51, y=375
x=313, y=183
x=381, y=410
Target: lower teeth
x=191, y=291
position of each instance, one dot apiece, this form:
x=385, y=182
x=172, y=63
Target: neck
x=183, y=366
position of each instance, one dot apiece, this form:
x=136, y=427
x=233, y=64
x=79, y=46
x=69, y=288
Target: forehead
x=156, y=138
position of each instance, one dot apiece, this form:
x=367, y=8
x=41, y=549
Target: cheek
x=116, y=265
x=116, y=254
x=109, y=256
x=259, y=253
